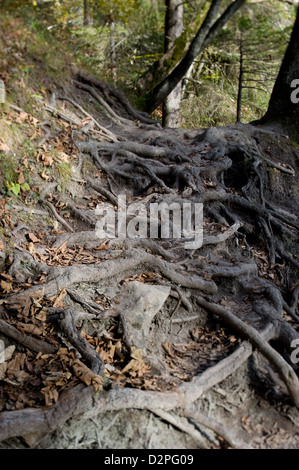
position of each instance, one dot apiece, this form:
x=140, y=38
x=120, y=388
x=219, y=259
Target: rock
x=142, y=303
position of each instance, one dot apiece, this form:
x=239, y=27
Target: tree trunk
x=240, y=86
x=86, y=13
x=283, y=107
x=206, y=33
x=173, y=30
x=113, y=51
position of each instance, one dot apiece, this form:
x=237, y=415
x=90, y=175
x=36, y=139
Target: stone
x=142, y=303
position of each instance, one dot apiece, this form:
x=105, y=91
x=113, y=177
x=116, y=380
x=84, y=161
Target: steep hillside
x=145, y=339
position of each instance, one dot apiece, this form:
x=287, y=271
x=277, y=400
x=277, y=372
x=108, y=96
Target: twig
x=108, y=134
x=185, y=320
x=56, y=215
x=66, y=320
x=26, y=340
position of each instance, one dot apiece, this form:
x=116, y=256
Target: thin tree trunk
x=240, y=87
x=86, y=13
x=113, y=51
x=162, y=90
x=208, y=30
x=173, y=30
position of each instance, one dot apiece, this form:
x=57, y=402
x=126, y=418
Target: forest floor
x=143, y=342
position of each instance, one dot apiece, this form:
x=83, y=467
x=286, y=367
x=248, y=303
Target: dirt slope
x=141, y=342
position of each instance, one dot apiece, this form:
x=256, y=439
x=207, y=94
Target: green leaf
x=37, y=96
x=15, y=188
x=25, y=187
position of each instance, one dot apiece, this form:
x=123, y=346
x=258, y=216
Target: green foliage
x=51, y=34
x=211, y=107
x=65, y=174
x=264, y=29
x=16, y=188
x=116, y=10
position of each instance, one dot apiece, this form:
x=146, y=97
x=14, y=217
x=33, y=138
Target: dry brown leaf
x=61, y=248
x=29, y=328
x=22, y=117
x=87, y=376
x=33, y=238
x=58, y=301
x=7, y=354
x=31, y=248
x=2, y=247
x=20, y=375
x=58, y=378
x=102, y=246
x=63, y=157
x=6, y=286
x=17, y=363
x=21, y=178
x=3, y=367
x=7, y=277
x=4, y=147
x=44, y=176
x=167, y=347
x=42, y=315
x=136, y=366
x=51, y=395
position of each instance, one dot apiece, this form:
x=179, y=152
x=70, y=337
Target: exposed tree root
x=66, y=320
x=79, y=400
x=285, y=370
x=199, y=419
x=57, y=216
x=26, y=340
x=245, y=273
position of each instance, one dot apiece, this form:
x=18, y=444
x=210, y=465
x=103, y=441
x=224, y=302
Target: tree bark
x=206, y=33
x=162, y=90
x=173, y=30
x=283, y=108
x=86, y=13
x=240, y=85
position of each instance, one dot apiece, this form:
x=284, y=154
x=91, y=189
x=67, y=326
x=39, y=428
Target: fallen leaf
x=44, y=176
x=3, y=367
x=6, y=286
x=87, y=376
x=21, y=178
x=103, y=246
x=6, y=354
x=136, y=366
x=62, y=247
x=4, y=147
x=7, y=277
x=58, y=301
x=33, y=238
x=29, y=328
x=31, y=248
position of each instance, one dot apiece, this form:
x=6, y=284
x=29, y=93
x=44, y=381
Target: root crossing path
x=162, y=308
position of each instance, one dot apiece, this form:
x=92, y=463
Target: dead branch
x=56, y=215
x=66, y=319
x=26, y=340
x=105, y=131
